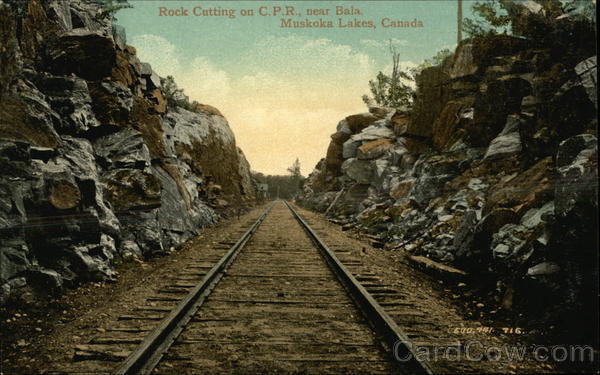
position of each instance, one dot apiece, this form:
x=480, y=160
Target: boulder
x=119, y=35
x=350, y=148
x=334, y=159
x=501, y=97
x=207, y=145
x=448, y=127
x=397, y=153
x=374, y=149
x=123, y=149
x=146, y=69
x=246, y=184
x=495, y=220
x=340, y=136
x=571, y=110
x=124, y=71
x=534, y=217
x=153, y=81
x=356, y=123
x=47, y=280
x=543, y=269
x=508, y=142
x=515, y=244
x=587, y=70
x=462, y=62
x=431, y=97
x=525, y=190
x=77, y=156
x=432, y=171
x=485, y=50
x=84, y=16
x=351, y=201
x=361, y=171
x=11, y=287
x=70, y=98
x=174, y=226
x=112, y=103
x=509, y=243
x=474, y=236
x=369, y=133
x=132, y=189
x=569, y=150
x=14, y=259
x=400, y=122
x=15, y=162
x=28, y=118
x=382, y=173
x=150, y=125
x=577, y=184
x=382, y=112
x=90, y=55
x=65, y=195
x=93, y=267
x=205, y=108
x=130, y=248
x=160, y=103
x=60, y=12
x=342, y=127
x=402, y=188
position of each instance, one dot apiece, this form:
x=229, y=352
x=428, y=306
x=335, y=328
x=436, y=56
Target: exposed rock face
x=206, y=144
x=96, y=167
x=494, y=171
x=89, y=55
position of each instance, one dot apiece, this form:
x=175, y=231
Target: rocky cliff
x=96, y=166
x=492, y=172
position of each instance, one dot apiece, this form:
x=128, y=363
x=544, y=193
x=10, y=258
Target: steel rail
x=396, y=341
x=150, y=351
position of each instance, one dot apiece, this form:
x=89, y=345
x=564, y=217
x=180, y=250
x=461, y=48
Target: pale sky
x=283, y=90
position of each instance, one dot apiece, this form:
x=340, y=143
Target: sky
x=283, y=90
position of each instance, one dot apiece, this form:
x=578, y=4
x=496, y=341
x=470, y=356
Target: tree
x=527, y=19
x=491, y=18
x=295, y=168
x=459, y=17
x=109, y=8
x=175, y=96
x=284, y=187
x=438, y=59
x=391, y=91
x=296, y=175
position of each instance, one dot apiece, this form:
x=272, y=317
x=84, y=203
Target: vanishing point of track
x=277, y=301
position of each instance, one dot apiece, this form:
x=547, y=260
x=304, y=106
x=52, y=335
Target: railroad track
x=277, y=301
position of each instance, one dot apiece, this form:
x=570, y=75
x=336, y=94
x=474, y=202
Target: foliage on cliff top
x=391, y=90
x=109, y=8
x=436, y=60
x=528, y=18
x=175, y=96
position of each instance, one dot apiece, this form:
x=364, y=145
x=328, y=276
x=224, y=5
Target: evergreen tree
x=295, y=168
x=296, y=175
x=109, y=8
